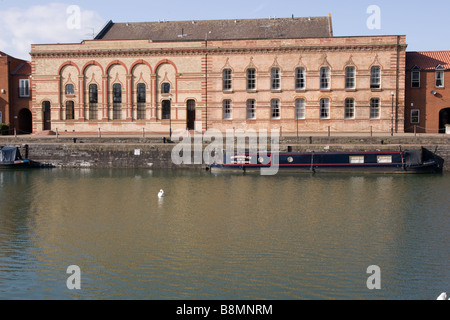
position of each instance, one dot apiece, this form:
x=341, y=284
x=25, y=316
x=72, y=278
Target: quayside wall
x=132, y=152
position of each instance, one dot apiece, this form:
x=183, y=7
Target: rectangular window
x=141, y=100
x=275, y=79
x=384, y=159
x=375, y=108
x=300, y=112
x=251, y=79
x=166, y=110
x=251, y=109
x=415, y=79
x=227, y=110
x=415, y=116
x=349, y=108
x=439, y=79
x=117, y=101
x=1, y=117
x=93, y=99
x=24, y=88
x=70, y=110
x=350, y=80
x=300, y=83
x=325, y=109
x=375, y=78
x=356, y=159
x=325, y=78
x=227, y=80
x=275, y=111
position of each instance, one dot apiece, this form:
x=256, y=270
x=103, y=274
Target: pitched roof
x=428, y=60
x=276, y=28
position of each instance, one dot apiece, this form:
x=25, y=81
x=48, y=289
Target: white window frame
x=24, y=88
x=413, y=116
x=251, y=79
x=325, y=78
x=375, y=77
x=349, y=107
x=384, y=159
x=325, y=110
x=227, y=109
x=350, y=77
x=227, y=80
x=300, y=78
x=251, y=109
x=300, y=109
x=437, y=73
x=375, y=109
x=357, y=160
x=275, y=79
x=275, y=109
x=415, y=81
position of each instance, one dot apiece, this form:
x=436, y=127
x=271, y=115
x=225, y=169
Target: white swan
x=443, y=296
x=161, y=194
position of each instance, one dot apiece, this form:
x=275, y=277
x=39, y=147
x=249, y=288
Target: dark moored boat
x=410, y=161
x=10, y=158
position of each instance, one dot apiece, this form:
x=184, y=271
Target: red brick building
x=289, y=74
x=15, y=94
x=427, y=101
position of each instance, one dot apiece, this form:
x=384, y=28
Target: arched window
x=275, y=79
x=251, y=79
x=70, y=89
x=350, y=77
x=227, y=80
x=300, y=109
x=325, y=78
x=375, y=108
x=349, y=108
x=275, y=112
x=165, y=88
x=375, y=77
x=324, y=108
x=300, y=81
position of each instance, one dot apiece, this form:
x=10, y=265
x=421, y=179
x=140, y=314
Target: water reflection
x=221, y=237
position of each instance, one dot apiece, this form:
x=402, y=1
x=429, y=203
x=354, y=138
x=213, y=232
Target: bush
x=4, y=129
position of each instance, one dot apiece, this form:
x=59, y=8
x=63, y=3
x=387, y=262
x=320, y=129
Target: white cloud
x=41, y=24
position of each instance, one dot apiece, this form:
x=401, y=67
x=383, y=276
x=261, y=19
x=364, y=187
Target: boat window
x=356, y=159
x=384, y=159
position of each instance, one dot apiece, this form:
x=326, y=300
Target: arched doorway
x=191, y=114
x=444, y=119
x=25, y=122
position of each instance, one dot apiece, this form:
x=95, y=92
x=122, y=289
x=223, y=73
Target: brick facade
x=15, y=105
x=195, y=71
x=427, y=105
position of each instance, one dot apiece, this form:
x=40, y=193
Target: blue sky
x=22, y=23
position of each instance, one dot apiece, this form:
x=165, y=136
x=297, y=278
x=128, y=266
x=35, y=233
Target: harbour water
x=290, y=237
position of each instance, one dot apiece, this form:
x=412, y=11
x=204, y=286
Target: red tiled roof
x=428, y=60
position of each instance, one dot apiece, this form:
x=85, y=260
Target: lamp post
x=392, y=115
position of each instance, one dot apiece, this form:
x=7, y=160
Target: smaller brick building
x=15, y=94
x=427, y=91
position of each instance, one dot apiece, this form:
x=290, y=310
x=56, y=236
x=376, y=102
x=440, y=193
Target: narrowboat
x=10, y=158
x=409, y=161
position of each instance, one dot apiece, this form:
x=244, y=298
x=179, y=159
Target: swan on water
x=161, y=194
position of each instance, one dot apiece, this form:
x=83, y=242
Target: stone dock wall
x=123, y=152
